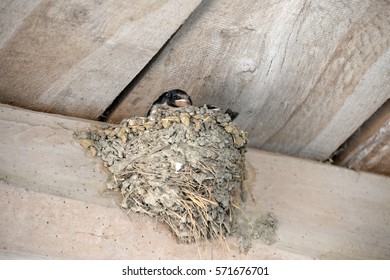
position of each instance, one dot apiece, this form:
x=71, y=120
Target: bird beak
x=183, y=102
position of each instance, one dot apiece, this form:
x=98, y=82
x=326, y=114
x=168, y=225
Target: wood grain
x=75, y=57
x=13, y=13
x=369, y=148
x=304, y=75
x=52, y=204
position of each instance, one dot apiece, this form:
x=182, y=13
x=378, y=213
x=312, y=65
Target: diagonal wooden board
x=53, y=204
x=304, y=75
x=368, y=148
x=75, y=57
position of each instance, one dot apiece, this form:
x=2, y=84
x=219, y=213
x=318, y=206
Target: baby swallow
x=176, y=99
x=172, y=100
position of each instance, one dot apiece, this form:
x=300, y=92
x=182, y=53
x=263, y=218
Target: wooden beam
x=75, y=58
x=52, y=204
x=369, y=147
x=304, y=75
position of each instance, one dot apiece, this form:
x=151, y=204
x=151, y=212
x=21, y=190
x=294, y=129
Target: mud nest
x=183, y=167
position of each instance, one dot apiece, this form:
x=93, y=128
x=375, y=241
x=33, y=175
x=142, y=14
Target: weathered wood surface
x=304, y=75
x=75, y=57
x=52, y=204
x=369, y=148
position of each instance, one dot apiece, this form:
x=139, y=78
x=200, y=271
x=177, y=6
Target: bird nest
x=184, y=167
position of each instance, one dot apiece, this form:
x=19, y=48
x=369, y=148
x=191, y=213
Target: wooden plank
x=41, y=161
x=75, y=57
x=63, y=228
x=369, y=147
x=304, y=75
x=324, y=211
x=13, y=14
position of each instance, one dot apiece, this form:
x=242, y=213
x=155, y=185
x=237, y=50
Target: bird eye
x=176, y=97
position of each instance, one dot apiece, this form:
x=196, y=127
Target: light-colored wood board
x=38, y=152
x=75, y=57
x=60, y=228
x=324, y=211
x=13, y=14
x=6, y=255
x=304, y=75
x=369, y=147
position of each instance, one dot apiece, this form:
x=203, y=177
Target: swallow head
x=176, y=98
x=172, y=100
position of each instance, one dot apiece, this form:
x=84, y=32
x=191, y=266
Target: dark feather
x=232, y=114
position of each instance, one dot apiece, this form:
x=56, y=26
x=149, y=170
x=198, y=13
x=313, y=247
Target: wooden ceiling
x=304, y=75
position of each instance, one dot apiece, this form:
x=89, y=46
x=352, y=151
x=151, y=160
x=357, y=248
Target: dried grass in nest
x=184, y=167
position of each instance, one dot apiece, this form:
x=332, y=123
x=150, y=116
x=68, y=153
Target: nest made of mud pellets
x=184, y=167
